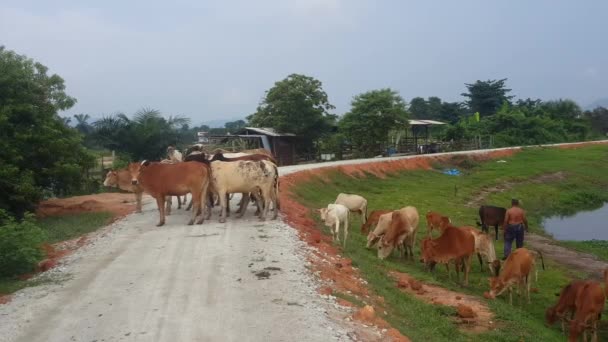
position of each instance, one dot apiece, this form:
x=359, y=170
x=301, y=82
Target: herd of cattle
x=211, y=178
x=389, y=230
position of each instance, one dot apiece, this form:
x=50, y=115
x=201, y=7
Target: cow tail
x=542, y=261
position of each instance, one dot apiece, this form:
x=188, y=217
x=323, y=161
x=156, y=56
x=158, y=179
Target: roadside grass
x=583, y=187
x=66, y=227
x=58, y=228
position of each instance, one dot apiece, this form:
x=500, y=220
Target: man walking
x=515, y=223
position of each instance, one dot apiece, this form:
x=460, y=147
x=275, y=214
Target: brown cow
x=401, y=233
x=160, y=180
x=589, y=305
x=434, y=220
x=122, y=180
x=372, y=220
x=454, y=245
x=565, y=304
x=516, y=270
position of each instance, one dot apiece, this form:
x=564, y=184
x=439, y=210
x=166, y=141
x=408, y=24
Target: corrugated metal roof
x=425, y=122
x=269, y=131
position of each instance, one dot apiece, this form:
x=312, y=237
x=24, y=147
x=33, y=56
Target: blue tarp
x=452, y=172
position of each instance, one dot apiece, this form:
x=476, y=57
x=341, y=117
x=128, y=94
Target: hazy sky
x=214, y=59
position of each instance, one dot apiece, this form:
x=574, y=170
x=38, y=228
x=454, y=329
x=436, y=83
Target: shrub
x=20, y=245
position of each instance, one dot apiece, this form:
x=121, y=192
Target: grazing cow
x=373, y=219
x=516, y=271
x=453, y=245
x=333, y=215
x=161, y=180
x=434, y=220
x=491, y=216
x=565, y=304
x=401, y=233
x=589, y=305
x=245, y=176
x=122, y=180
x=384, y=222
x=354, y=203
x=484, y=246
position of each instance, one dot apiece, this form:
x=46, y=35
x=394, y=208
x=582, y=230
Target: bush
x=20, y=245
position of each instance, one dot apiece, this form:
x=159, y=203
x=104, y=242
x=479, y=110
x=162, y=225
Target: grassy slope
x=583, y=188
x=60, y=228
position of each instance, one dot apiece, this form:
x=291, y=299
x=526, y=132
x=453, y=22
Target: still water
x=585, y=225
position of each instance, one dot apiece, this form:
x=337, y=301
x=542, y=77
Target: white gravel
x=137, y=282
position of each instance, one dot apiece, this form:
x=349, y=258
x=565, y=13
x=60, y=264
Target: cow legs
x=267, y=200
x=223, y=199
x=203, y=199
x=337, y=231
x=196, y=209
x=345, y=231
x=227, y=201
x=138, y=202
x=160, y=201
x=168, y=204
x=480, y=262
x=496, y=232
x=179, y=202
x=467, y=268
x=243, y=205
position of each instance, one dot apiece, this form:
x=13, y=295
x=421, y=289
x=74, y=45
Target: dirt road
x=241, y=281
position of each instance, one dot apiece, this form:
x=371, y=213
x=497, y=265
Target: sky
x=211, y=60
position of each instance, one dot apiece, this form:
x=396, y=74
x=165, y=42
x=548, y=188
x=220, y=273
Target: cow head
x=111, y=179
x=384, y=248
x=372, y=240
x=497, y=287
x=495, y=266
x=550, y=316
x=135, y=170
x=323, y=213
x=445, y=222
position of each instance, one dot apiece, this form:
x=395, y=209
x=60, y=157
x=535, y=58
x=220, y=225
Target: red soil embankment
x=326, y=260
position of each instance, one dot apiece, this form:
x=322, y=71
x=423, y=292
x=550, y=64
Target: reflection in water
x=586, y=225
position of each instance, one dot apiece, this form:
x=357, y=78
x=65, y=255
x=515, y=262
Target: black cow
x=491, y=216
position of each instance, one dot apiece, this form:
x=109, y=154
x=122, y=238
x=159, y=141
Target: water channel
x=585, y=225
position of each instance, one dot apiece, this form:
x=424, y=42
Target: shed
x=282, y=145
x=418, y=141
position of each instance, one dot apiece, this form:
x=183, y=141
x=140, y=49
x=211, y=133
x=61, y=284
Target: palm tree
x=82, y=124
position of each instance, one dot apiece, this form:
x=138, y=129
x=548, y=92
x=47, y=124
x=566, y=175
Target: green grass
x=61, y=228
x=583, y=187
x=598, y=248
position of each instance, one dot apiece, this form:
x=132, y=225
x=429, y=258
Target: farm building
x=282, y=145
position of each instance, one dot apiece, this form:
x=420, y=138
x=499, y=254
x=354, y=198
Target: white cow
x=484, y=246
x=354, y=203
x=384, y=222
x=245, y=176
x=333, y=215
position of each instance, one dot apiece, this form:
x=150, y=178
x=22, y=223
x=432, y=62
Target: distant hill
x=598, y=103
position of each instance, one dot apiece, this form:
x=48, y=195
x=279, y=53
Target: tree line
x=43, y=154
